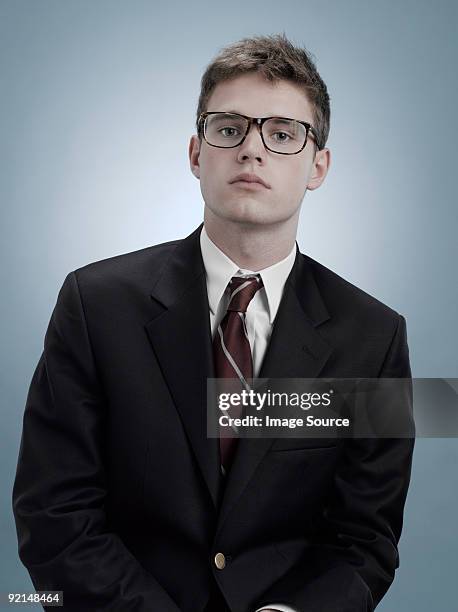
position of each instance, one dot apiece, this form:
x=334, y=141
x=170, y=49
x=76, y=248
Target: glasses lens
x=284, y=135
x=224, y=129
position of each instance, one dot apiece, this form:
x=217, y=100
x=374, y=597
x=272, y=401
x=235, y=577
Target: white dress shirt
x=261, y=311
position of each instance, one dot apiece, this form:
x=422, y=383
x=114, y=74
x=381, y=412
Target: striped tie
x=232, y=353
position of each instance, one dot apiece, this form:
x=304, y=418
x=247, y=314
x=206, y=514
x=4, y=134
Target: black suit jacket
x=118, y=498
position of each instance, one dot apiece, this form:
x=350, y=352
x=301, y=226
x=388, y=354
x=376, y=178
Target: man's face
x=286, y=176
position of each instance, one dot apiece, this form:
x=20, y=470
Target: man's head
x=260, y=77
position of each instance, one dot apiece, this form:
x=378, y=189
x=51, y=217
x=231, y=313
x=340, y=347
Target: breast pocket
x=312, y=444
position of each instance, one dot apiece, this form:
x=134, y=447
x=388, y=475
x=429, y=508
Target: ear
x=319, y=170
x=194, y=152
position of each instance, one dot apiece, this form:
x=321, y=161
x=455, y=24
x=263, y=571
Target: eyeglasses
x=278, y=134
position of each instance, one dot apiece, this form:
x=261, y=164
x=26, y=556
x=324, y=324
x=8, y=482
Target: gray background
x=86, y=172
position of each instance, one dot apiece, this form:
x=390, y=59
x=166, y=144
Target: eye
x=229, y=132
x=281, y=136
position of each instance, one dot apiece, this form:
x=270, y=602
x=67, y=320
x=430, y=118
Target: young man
x=121, y=499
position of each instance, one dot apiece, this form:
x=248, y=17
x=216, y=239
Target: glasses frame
x=259, y=121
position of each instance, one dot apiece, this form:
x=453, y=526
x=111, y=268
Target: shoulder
x=344, y=300
x=360, y=328
x=137, y=268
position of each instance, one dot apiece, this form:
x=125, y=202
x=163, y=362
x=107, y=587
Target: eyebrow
x=282, y=119
x=232, y=112
x=279, y=117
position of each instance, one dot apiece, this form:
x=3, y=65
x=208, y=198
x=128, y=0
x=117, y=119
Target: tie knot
x=242, y=291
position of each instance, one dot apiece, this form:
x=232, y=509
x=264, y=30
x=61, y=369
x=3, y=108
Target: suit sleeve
x=59, y=490
x=354, y=554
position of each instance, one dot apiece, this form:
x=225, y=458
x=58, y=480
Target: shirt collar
x=219, y=269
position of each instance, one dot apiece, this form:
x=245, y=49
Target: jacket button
x=220, y=561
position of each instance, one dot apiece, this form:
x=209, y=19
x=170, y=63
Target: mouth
x=249, y=181
x=250, y=186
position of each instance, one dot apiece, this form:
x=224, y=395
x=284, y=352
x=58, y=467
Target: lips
x=250, y=178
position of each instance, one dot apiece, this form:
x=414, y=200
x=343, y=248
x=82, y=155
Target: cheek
x=209, y=184
x=212, y=184
x=292, y=180
x=210, y=166
x=302, y=170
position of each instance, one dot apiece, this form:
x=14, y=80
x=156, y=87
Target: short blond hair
x=276, y=58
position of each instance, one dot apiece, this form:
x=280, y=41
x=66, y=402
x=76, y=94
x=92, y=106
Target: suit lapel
x=181, y=339
x=295, y=350
x=180, y=335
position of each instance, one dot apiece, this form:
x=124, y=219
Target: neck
x=252, y=246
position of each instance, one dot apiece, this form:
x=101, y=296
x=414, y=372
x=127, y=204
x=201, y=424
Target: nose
x=252, y=147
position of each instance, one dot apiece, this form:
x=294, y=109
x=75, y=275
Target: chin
x=248, y=211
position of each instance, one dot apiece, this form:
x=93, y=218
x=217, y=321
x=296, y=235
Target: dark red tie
x=232, y=353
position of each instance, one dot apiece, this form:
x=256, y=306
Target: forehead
x=252, y=94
